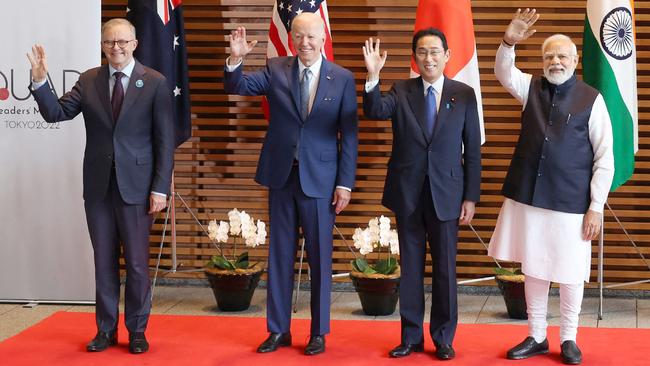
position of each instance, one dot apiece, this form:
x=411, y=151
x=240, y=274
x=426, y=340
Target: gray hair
x=562, y=38
x=309, y=17
x=118, y=21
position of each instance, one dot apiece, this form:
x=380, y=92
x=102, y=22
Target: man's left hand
x=341, y=199
x=467, y=212
x=591, y=225
x=156, y=203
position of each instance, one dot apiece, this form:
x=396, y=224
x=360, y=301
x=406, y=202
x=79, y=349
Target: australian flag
x=161, y=46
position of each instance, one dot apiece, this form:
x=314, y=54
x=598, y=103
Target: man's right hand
x=39, y=63
x=519, y=28
x=374, y=59
x=238, y=45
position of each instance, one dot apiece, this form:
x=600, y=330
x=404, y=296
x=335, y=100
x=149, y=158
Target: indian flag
x=454, y=19
x=609, y=65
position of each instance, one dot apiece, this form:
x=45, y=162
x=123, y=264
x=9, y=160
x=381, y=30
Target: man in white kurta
x=551, y=237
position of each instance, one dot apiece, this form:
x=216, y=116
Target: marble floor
x=473, y=309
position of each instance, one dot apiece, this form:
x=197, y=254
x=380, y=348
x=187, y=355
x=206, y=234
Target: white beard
x=557, y=78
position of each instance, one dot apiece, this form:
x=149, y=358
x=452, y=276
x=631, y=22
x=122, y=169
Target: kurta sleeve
x=602, y=144
x=516, y=82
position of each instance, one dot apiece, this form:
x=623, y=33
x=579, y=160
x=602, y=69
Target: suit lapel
x=136, y=84
x=101, y=83
x=324, y=81
x=294, y=82
x=446, y=106
x=416, y=102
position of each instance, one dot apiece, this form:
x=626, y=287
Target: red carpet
x=211, y=340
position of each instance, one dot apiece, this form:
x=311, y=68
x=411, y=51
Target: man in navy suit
x=432, y=182
x=127, y=170
x=308, y=162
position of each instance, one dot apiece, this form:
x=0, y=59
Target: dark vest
x=552, y=163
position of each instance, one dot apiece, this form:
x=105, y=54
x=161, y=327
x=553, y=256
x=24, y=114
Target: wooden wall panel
x=215, y=168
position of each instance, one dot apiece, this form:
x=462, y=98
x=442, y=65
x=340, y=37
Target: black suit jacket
x=140, y=143
x=454, y=171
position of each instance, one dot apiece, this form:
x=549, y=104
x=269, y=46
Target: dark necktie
x=431, y=111
x=304, y=93
x=118, y=95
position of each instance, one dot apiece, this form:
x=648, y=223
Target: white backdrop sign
x=45, y=251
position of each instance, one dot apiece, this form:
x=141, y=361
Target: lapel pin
x=450, y=104
x=328, y=77
x=139, y=83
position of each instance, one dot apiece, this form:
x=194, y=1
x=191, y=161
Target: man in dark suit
x=308, y=161
x=433, y=179
x=127, y=169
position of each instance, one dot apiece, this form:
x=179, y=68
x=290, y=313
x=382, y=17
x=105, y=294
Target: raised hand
x=519, y=28
x=238, y=45
x=39, y=63
x=373, y=58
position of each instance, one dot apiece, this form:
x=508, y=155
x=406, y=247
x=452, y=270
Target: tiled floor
x=618, y=312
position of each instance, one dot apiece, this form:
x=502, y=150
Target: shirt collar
x=315, y=67
x=127, y=70
x=437, y=85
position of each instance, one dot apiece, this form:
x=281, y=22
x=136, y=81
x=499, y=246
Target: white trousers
x=537, y=307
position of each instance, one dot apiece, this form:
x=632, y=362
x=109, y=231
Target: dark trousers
x=111, y=221
x=290, y=208
x=414, y=231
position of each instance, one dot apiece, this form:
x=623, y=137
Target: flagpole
x=172, y=208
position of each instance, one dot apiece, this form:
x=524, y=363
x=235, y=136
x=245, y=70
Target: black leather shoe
x=138, y=343
x=527, y=348
x=570, y=353
x=315, y=346
x=274, y=341
x=445, y=352
x=102, y=341
x=405, y=349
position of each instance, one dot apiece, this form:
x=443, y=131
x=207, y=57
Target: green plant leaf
x=507, y=272
x=360, y=265
x=219, y=261
x=242, y=260
x=386, y=266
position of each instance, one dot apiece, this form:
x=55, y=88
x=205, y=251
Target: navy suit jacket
x=328, y=138
x=454, y=171
x=140, y=143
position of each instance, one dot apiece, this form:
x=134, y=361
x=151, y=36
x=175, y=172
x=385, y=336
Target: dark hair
x=429, y=32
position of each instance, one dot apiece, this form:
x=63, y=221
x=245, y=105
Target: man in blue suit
x=308, y=162
x=432, y=183
x=127, y=171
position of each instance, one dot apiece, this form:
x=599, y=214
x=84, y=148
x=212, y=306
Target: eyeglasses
x=422, y=53
x=562, y=56
x=121, y=43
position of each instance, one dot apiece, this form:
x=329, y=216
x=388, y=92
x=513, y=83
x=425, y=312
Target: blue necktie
x=304, y=93
x=431, y=111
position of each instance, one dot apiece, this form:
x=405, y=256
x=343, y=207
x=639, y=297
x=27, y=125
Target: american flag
x=280, y=44
x=283, y=13
x=161, y=46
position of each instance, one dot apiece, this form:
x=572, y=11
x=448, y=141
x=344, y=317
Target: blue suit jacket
x=328, y=138
x=140, y=143
x=454, y=174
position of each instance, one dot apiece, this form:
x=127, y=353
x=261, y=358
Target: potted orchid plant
x=234, y=279
x=376, y=280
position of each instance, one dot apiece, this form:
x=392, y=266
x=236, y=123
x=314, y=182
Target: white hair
x=561, y=38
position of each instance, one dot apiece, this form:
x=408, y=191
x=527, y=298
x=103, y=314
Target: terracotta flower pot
x=378, y=295
x=233, y=290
